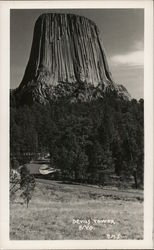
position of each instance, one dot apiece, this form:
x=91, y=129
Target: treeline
x=87, y=141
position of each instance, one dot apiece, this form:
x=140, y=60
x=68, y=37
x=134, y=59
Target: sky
x=121, y=33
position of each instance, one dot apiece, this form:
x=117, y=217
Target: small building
x=41, y=169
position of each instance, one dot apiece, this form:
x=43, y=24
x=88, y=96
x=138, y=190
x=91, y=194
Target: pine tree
x=27, y=184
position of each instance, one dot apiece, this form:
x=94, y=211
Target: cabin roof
x=34, y=167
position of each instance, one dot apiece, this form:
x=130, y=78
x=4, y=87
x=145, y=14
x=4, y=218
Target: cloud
x=131, y=59
x=138, y=45
x=132, y=78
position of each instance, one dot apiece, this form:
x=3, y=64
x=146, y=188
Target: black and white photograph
x=77, y=152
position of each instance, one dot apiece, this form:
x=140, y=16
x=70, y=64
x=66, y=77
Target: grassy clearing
x=53, y=207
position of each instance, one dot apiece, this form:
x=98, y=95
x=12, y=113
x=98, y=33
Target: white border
x=5, y=243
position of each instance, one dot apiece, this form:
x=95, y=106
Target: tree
x=14, y=183
x=83, y=138
x=27, y=184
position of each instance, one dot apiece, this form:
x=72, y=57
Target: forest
x=87, y=141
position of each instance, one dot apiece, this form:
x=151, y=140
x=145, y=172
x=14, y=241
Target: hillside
x=61, y=211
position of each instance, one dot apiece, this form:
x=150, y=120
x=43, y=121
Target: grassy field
x=63, y=211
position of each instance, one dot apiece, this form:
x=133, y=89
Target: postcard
x=77, y=124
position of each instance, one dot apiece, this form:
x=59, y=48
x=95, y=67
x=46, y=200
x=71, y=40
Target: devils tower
x=67, y=59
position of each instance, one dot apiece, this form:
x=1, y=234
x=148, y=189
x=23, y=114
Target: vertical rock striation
x=66, y=49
